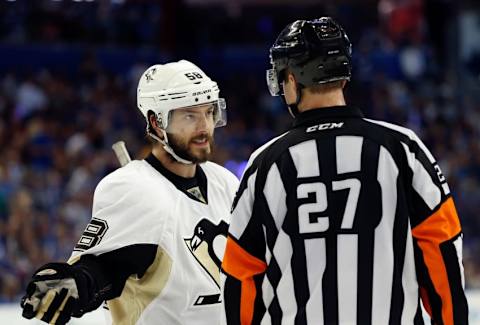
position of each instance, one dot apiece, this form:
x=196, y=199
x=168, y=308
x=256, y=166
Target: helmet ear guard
x=274, y=85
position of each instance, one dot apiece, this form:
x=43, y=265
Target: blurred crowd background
x=69, y=72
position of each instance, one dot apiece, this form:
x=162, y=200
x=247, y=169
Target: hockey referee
x=342, y=219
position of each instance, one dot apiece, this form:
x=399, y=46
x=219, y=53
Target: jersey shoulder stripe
x=406, y=132
x=252, y=165
x=256, y=153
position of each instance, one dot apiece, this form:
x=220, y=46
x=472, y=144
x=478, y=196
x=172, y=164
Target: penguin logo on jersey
x=207, y=245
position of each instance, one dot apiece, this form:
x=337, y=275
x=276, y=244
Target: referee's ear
x=290, y=78
x=290, y=90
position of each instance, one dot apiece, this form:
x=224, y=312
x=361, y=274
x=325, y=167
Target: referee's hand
x=52, y=294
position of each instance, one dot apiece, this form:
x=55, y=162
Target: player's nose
x=202, y=123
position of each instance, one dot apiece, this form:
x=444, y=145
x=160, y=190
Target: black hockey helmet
x=315, y=51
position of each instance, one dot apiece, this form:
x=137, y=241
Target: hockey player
x=153, y=248
x=342, y=220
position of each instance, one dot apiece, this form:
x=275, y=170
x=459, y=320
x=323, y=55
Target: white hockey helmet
x=165, y=87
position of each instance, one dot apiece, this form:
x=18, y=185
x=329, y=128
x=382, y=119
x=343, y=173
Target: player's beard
x=181, y=147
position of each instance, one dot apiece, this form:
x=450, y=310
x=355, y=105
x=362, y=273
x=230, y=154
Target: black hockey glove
x=56, y=292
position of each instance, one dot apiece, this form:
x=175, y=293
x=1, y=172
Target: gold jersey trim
x=139, y=293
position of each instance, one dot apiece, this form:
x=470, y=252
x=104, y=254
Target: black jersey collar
x=186, y=185
x=333, y=112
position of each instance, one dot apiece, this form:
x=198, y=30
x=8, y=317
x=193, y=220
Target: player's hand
x=52, y=294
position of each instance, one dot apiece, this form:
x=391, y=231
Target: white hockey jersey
x=138, y=209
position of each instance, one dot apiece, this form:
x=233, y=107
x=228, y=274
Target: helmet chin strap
x=169, y=149
x=293, y=108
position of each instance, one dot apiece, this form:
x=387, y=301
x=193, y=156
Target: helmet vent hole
x=196, y=99
x=208, y=97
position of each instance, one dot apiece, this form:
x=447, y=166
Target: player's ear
x=154, y=125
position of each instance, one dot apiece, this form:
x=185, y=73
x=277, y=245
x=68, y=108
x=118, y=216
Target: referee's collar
x=336, y=112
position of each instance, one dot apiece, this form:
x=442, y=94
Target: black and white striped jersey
x=344, y=220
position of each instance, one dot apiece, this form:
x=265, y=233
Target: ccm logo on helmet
x=202, y=92
x=325, y=126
